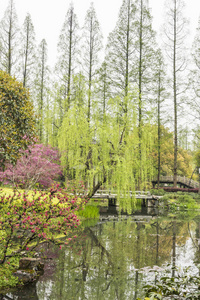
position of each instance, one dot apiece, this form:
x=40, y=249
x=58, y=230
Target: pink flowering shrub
x=38, y=165
x=29, y=219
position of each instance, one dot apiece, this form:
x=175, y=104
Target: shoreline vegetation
x=29, y=218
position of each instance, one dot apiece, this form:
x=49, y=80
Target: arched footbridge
x=182, y=181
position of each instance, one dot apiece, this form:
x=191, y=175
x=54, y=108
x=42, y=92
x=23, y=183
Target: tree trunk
x=70, y=61
x=140, y=93
x=175, y=97
x=159, y=128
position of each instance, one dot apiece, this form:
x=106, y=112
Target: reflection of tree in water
x=195, y=239
x=106, y=263
x=105, y=260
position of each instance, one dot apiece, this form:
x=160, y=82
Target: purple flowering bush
x=39, y=164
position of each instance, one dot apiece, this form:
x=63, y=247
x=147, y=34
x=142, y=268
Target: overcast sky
x=48, y=16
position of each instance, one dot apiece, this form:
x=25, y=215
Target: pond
x=114, y=256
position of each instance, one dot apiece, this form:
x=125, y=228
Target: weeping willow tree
x=106, y=152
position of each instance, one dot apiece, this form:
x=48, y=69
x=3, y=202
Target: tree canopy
x=106, y=153
x=17, y=125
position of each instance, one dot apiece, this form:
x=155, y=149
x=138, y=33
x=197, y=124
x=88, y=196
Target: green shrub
x=7, y=279
x=157, y=192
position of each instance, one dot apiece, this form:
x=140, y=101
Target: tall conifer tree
x=194, y=77
x=131, y=60
x=144, y=60
x=68, y=56
x=27, y=52
x=42, y=86
x=120, y=52
x=160, y=94
x=103, y=90
x=9, y=39
x=91, y=46
x=175, y=29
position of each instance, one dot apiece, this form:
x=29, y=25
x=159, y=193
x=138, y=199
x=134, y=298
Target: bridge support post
x=112, y=202
x=152, y=202
x=144, y=203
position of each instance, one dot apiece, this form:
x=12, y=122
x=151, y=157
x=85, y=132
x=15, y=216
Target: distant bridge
x=182, y=181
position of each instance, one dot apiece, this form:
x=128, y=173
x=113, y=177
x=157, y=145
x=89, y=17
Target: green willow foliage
x=106, y=152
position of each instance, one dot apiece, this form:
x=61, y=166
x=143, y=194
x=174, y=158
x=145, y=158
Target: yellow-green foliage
x=184, y=159
x=20, y=193
x=108, y=148
x=89, y=212
x=197, y=158
x=17, y=125
x=10, y=192
x=7, y=279
x=6, y=191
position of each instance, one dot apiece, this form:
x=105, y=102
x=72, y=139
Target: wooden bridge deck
x=106, y=194
x=182, y=181
x=148, y=199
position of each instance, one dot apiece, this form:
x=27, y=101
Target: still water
x=114, y=256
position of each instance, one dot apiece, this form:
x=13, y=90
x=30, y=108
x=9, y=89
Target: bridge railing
x=114, y=193
x=180, y=179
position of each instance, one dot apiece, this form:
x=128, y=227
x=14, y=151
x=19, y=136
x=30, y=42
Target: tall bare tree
x=175, y=30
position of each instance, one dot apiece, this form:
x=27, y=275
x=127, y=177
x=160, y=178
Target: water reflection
x=115, y=257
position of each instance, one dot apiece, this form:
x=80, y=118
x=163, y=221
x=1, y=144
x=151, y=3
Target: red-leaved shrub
x=40, y=164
